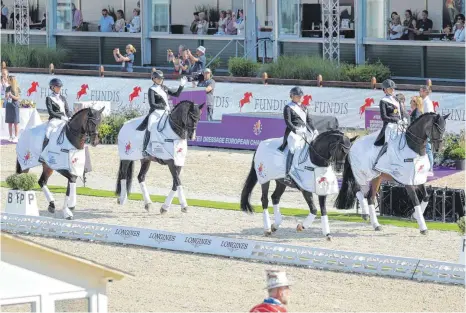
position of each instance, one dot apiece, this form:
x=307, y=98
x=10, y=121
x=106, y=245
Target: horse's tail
x=125, y=171
x=347, y=196
x=18, y=167
x=249, y=184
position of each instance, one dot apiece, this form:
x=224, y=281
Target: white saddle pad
x=270, y=164
x=362, y=158
x=29, y=146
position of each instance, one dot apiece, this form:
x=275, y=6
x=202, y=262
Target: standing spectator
x=424, y=26
x=4, y=16
x=459, y=31
x=106, y=22
x=135, y=24
x=279, y=292
x=209, y=83
x=181, y=62
x=127, y=60
x=396, y=30
x=120, y=23
x=12, y=108
x=240, y=22
x=77, y=18
x=221, y=22
x=193, y=27
x=451, y=8
x=230, y=24
x=198, y=62
x=409, y=25
x=428, y=108
x=202, y=24
x=5, y=81
x=417, y=108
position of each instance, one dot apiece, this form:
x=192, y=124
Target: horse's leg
x=324, y=217
x=124, y=180
x=169, y=199
x=363, y=204
x=175, y=171
x=375, y=184
x=46, y=173
x=425, y=198
x=411, y=190
x=313, y=212
x=145, y=165
x=265, y=208
x=276, y=195
x=70, y=198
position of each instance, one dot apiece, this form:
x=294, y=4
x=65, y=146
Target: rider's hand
x=301, y=131
x=183, y=81
x=64, y=118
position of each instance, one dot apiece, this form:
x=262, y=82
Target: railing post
x=373, y=82
x=101, y=71
x=51, y=69
x=319, y=80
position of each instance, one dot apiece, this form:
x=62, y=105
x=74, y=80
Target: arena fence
x=318, y=258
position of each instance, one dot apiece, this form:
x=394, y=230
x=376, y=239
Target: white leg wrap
x=66, y=212
x=168, y=200
x=373, y=216
x=72, y=196
x=145, y=193
x=48, y=194
x=277, y=215
x=123, y=193
x=424, y=206
x=309, y=220
x=181, y=197
x=267, y=225
x=325, y=226
x=420, y=218
x=362, y=202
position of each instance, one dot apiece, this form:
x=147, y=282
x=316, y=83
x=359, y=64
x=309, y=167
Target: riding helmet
x=388, y=83
x=157, y=74
x=296, y=91
x=55, y=82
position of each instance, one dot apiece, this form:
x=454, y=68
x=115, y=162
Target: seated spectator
x=120, y=23
x=459, y=31
x=135, y=25
x=424, y=26
x=240, y=22
x=77, y=18
x=43, y=23
x=221, y=22
x=396, y=30
x=409, y=26
x=392, y=17
x=193, y=27
x=202, y=24
x=106, y=22
x=230, y=24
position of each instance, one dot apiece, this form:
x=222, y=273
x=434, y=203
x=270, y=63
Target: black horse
x=427, y=126
x=183, y=120
x=84, y=123
x=328, y=149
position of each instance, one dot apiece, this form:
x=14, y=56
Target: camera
x=196, y=77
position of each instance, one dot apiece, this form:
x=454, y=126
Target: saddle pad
x=362, y=158
x=29, y=146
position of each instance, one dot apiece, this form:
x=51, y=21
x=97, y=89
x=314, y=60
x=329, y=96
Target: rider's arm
x=52, y=113
x=156, y=102
x=288, y=119
x=69, y=113
x=309, y=121
x=383, y=113
x=173, y=92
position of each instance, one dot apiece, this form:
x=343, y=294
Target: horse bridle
x=334, y=146
x=421, y=140
x=190, y=114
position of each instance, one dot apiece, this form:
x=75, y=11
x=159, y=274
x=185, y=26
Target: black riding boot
x=289, y=161
x=283, y=145
x=44, y=144
x=381, y=152
x=145, y=143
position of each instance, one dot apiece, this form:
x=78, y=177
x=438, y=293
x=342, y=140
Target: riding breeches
x=52, y=125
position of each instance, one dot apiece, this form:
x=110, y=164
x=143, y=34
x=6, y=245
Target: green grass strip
x=345, y=217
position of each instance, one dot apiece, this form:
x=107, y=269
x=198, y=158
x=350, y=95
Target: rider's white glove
x=183, y=81
x=64, y=118
x=301, y=131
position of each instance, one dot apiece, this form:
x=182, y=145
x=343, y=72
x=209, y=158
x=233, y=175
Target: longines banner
x=344, y=103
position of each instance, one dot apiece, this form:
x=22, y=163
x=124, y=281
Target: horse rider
x=299, y=126
x=392, y=114
x=158, y=102
x=58, y=109
x=278, y=288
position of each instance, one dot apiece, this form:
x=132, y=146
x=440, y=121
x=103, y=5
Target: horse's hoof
x=365, y=216
x=69, y=218
x=147, y=206
x=185, y=209
x=267, y=233
x=51, y=207
x=274, y=228
x=300, y=227
x=378, y=228
x=163, y=210
x=118, y=200
x=424, y=232
x=328, y=237
x=71, y=208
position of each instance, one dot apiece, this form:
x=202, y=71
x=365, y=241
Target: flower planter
x=22, y=202
x=460, y=165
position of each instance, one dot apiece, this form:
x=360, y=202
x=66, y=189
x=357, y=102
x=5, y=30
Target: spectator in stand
x=43, y=23
x=202, y=24
x=4, y=16
x=417, y=108
x=193, y=27
x=120, y=23
x=240, y=22
x=106, y=22
x=452, y=11
x=230, y=24
x=182, y=63
x=135, y=25
x=396, y=30
x=12, y=94
x=209, y=83
x=77, y=18
x=424, y=26
x=127, y=60
x=279, y=293
x=409, y=26
x=392, y=16
x=428, y=107
x=459, y=31
x=221, y=22
x=198, y=61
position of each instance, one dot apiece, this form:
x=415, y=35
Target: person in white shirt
x=459, y=32
x=396, y=29
x=135, y=25
x=424, y=92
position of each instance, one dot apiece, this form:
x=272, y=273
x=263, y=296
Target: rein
x=77, y=133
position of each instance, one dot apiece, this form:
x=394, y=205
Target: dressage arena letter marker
x=326, y=259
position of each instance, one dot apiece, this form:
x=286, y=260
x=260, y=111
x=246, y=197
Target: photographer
x=209, y=83
x=181, y=61
x=198, y=61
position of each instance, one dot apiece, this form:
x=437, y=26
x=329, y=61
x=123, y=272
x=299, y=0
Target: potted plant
x=462, y=226
x=21, y=199
x=458, y=154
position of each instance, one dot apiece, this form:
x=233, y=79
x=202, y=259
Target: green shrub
x=364, y=73
x=241, y=67
x=111, y=125
x=462, y=225
x=457, y=154
x=34, y=57
x=215, y=64
x=25, y=181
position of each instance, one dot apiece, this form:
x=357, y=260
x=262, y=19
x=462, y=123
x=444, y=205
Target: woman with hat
x=278, y=288
x=158, y=101
x=57, y=107
x=299, y=124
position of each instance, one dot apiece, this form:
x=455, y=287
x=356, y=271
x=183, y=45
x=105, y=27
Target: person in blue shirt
x=106, y=22
x=127, y=60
